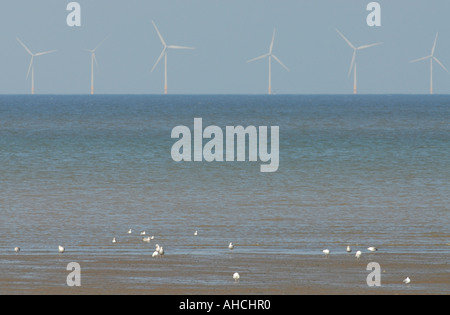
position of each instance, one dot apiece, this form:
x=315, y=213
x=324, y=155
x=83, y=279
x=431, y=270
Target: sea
x=359, y=170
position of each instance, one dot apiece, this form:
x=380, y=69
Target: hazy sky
x=225, y=33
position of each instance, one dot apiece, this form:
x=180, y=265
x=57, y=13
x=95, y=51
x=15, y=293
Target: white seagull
x=159, y=249
x=195, y=233
x=61, y=249
x=407, y=280
x=231, y=246
x=372, y=249
x=326, y=252
x=17, y=249
x=130, y=231
x=114, y=241
x=236, y=277
x=349, y=250
x=143, y=233
x=358, y=254
x=146, y=239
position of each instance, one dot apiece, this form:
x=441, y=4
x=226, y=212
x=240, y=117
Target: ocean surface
x=354, y=170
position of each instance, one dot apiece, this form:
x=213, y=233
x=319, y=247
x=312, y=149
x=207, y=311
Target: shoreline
x=261, y=274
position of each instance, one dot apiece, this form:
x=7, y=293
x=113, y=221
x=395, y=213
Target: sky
x=225, y=34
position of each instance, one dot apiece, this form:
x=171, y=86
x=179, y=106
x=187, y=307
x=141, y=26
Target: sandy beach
x=261, y=274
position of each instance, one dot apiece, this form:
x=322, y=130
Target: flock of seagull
x=358, y=255
x=159, y=251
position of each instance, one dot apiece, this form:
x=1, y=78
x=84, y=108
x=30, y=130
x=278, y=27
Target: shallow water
x=358, y=170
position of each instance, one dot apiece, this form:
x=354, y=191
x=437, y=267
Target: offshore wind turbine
x=94, y=60
x=432, y=58
x=270, y=55
x=353, y=64
x=31, y=67
x=164, y=54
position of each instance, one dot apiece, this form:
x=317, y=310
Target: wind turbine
x=164, y=54
x=31, y=67
x=270, y=55
x=94, y=59
x=431, y=57
x=353, y=64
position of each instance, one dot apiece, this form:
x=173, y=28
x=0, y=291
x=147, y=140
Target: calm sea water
x=360, y=170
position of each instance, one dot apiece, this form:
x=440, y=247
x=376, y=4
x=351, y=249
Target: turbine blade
x=101, y=43
x=345, y=38
x=368, y=46
x=434, y=45
x=353, y=63
x=29, y=68
x=273, y=40
x=420, y=59
x=159, y=34
x=440, y=63
x=279, y=61
x=258, y=58
x=45, y=53
x=179, y=47
x=95, y=59
x=159, y=59
x=24, y=46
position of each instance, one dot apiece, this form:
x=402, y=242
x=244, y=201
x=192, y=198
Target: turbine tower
x=432, y=58
x=31, y=67
x=164, y=54
x=94, y=59
x=270, y=55
x=353, y=64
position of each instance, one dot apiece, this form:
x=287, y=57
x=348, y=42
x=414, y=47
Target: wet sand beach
x=191, y=274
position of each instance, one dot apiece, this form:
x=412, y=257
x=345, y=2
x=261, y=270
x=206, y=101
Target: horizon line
x=223, y=94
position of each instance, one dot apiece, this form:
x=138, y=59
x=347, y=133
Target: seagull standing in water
x=407, y=280
x=358, y=254
x=61, y=249
x=17, y=249
x=159, y=250
x=236, y=277
x=349, y=250
x=372, y=249
x=231, y=246
x=326, y=252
